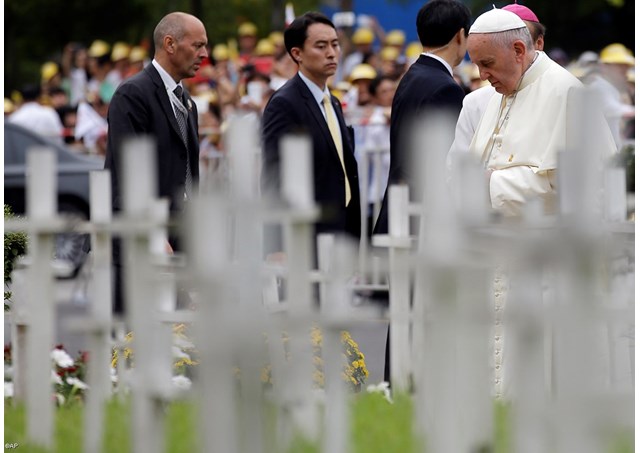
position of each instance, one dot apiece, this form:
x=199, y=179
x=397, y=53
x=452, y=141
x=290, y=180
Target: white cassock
x=519, y=136
x=474, y=105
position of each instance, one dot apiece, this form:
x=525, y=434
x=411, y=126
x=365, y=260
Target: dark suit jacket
x=292, y=109
x=141, y=107
x=427, y=87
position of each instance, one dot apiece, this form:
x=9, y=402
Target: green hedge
x=15, y=245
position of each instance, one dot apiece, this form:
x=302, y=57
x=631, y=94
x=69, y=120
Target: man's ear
x=460, y=36
x=169, y=44
x=295, y=52
x=520, y=49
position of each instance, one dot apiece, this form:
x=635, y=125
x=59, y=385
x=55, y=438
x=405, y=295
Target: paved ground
x=71, y=296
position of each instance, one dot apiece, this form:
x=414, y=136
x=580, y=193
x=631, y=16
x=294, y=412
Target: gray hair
x=507, y=38
x=172, y=24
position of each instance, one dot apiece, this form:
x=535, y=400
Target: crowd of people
x=238, y=77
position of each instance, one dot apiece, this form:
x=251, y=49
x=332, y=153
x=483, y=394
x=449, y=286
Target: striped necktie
x=334, y=128
x=181, y=117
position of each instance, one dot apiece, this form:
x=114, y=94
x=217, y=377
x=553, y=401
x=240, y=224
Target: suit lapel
x=165, y=102
x=192, y=119
x=314, y=107
x=346, y=143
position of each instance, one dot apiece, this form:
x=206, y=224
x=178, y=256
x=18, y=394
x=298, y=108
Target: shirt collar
x=539, y=65
x=169, y=83
x=441, y=60
x=317, y=93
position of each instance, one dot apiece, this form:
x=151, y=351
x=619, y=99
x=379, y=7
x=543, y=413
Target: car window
x=21, y=142
x=9, y=149
x=18, y=142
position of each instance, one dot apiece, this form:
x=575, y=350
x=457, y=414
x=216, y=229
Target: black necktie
x=181, y=117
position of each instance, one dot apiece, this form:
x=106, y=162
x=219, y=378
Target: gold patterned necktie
x=334, y=128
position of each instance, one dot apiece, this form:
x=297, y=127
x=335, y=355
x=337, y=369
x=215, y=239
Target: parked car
x=73, y=185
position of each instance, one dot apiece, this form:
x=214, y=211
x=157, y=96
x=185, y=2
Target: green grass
x=377, y=427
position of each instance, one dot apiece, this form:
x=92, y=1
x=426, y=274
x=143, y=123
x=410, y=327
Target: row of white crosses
x=225, y=251
x=557, y=303
x=226, y=272
x=444, y=335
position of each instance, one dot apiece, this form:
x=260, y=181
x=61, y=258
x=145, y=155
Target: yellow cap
x=16, y=97
x=265, y=47
x=395, y=38
x=413, y=50
x=48, y=71
x=247, y=29
x=617, y=53
x=362, y=36
x=98, y=49
x=389, y=54
x=120, y=51
x=137, y=54
x=9, y=106
x=362, y=72
x=220, y=52
x=208, y=96
x=343, y=86
x=277, y=38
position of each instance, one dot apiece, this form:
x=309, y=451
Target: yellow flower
x=265, y=374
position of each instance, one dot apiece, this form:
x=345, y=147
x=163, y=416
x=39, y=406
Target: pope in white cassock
x=475, y=103
x=525, y=123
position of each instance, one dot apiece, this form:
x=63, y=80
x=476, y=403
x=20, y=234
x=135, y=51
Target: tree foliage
x=15, y=245
x=36, y=30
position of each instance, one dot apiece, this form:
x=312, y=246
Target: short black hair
x=439, y=20
x=31, y=92
x=296, y=33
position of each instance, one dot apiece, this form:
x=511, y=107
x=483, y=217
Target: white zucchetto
x=496, y=21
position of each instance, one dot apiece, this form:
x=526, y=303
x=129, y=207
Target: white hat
x=496, y=21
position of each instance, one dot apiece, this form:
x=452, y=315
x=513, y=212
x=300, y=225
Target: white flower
x=77, y=383
x=60, y=399
x=182, y=343
x=8, y=389
x=114, y=375
x=181, y=382
x=179, y=354
x=61, y=358
x=55, y=378
x=382, y=388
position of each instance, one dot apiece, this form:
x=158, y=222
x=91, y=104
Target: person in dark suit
x=428, y=87
x=153, y=103
x=305, y=105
